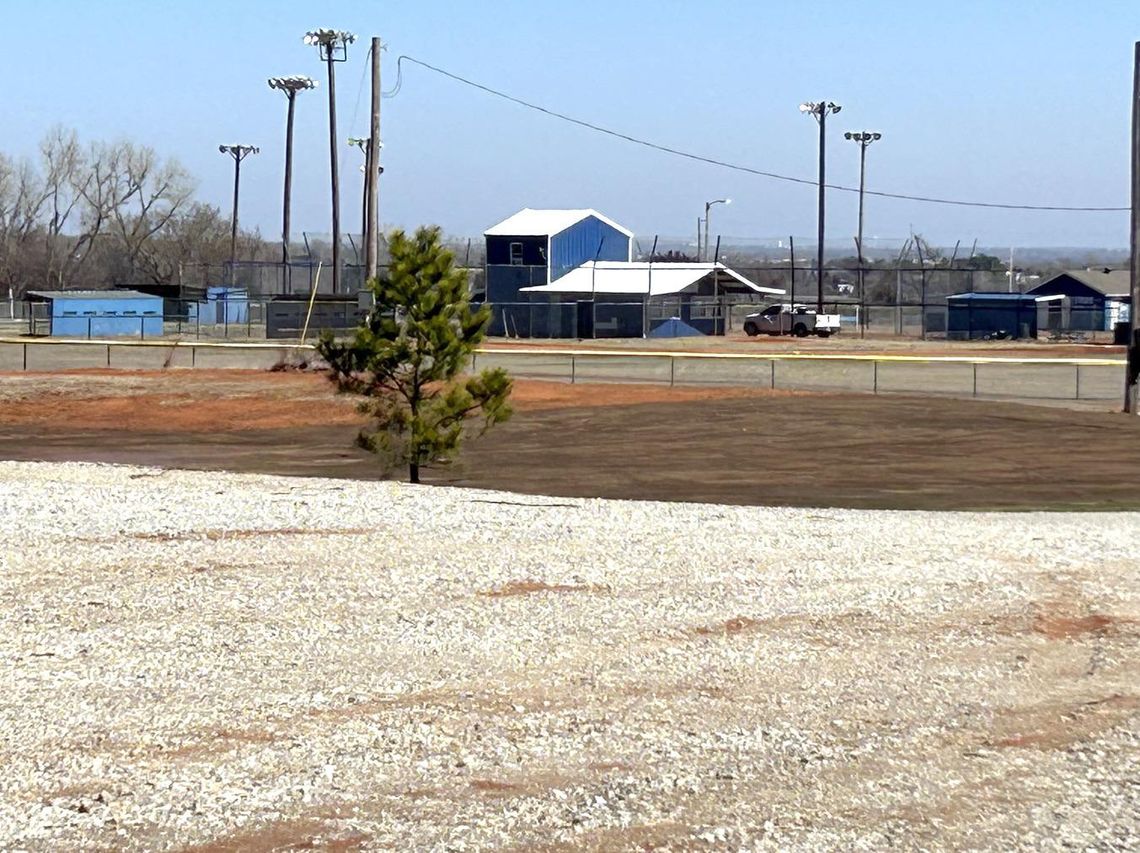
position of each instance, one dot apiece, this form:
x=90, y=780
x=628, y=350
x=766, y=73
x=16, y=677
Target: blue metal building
x=222, y=306
x=986, y=316
x=536, y=247
x=95, y=313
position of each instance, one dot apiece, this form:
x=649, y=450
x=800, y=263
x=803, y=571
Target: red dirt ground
x=720, y=445
x=225, y=400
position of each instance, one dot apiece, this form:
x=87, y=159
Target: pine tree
x=408, y=354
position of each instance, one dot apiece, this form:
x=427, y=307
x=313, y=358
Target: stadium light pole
x=708, y=206
x=863, y=138
x=333, y=47
x=290, y=86
x=820, y=110
x=238, y=153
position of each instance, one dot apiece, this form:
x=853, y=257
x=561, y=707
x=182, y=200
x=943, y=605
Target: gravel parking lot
x=217, y=662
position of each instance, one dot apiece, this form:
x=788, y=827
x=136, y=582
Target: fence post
x=108, y=355
x=25, y=358
x=1078, y=381
x=875, y=377
x=672, y=369
x=772, y=364
x=88, y=328
x=573, y=369
x=975, y=366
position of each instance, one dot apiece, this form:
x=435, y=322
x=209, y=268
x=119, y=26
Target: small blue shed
x=96, y=313
x=986, y=316
x=222, y=306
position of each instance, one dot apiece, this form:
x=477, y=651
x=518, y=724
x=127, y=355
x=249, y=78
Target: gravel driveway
x=251, y=662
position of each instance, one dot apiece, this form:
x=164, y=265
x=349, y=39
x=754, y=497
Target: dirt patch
x=1059, y=627
x=285, y=835
x=490, y=786
x=1053, y=726
x=735, y=625
x=530, y=587
x=722, y=445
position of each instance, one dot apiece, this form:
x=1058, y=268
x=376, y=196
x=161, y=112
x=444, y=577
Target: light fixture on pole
x=863, y=138
x=708, y=205
x=333, y=48
x=820, y=110
x=238, y=153
x=290, y=86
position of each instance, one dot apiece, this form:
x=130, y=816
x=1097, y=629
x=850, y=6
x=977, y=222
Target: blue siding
x=579, y=243
x=106, y=318
x=222, y=306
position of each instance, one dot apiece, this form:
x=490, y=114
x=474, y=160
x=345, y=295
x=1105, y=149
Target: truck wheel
x=799, y=330
x=751, y=330
x=824, y=333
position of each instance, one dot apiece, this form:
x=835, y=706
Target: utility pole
x=792, y=252
x=820, y=111
x=362, y=142
x=290, y=86
x=1132, y=380
x=863, y=138
x=238, y=153
x=372, y=209
x=333, y=48
x=708, y=205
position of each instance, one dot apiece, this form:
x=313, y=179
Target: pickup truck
x=798, y=320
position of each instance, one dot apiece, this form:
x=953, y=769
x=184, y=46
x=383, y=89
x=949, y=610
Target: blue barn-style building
x=95, y=313
x=536, y=247
x=571, y=273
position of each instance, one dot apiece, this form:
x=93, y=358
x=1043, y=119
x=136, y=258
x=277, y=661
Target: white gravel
x=261, y=662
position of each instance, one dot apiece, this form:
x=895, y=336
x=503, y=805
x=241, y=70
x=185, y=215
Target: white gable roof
x=529, y=222
x=625, y=277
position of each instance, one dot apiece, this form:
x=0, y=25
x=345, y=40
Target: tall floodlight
x=863, y=138
x=290, y=86
x=333, y=48
x=820, y=110
x=238, y=153
x=708, y=206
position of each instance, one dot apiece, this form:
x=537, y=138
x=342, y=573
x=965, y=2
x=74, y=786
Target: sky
x=1014, y=102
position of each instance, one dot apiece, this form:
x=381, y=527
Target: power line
x=712, y=161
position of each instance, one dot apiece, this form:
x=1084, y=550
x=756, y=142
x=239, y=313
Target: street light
x=863, y=138
x=239, y=153
x=820, y=111
x=333, y=47
x=290, y=86
x=708, y=205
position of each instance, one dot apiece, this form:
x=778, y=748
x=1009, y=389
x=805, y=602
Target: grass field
x=719, y=444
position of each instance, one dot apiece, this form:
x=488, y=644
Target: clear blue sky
x=1017, y=101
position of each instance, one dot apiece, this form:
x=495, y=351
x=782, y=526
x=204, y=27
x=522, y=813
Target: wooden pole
x=1132, y=380
x=372, y=216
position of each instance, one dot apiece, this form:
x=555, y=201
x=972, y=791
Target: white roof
x=529, y=222
x=634, y=277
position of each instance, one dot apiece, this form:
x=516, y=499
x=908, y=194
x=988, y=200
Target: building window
x=516, y=254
